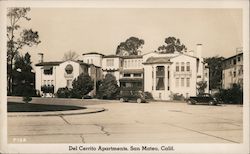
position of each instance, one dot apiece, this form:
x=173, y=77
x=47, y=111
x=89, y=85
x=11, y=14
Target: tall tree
x=15, y=42
x=172, y=44
x=108, y=88
x=130, y=46
x=23, y=77
x=215, y=71
x=82, y=85
x=70, y=55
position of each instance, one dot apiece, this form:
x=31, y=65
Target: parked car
x=203, y=98
x=130, y=95
x=87, y=97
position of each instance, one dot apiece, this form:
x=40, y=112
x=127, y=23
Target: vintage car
x=203, y=98
x=131, y=95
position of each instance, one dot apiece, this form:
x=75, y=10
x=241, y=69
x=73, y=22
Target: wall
x=61, y=76
x=185, y=91
x=95, y=59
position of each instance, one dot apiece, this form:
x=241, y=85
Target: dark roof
x=56, y=63
x=92, y=53
x=50, y=63
x=157, y=60
x=131, y=57
x=111, y=56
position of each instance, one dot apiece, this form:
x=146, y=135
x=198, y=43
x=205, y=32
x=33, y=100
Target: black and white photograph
x=124, y=77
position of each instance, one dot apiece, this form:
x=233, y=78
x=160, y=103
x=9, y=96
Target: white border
x=179, y=148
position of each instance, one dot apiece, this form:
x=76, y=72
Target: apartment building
x=160, y=74
x=233, y=70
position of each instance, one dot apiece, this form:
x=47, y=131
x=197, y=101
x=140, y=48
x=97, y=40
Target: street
x=154, y=122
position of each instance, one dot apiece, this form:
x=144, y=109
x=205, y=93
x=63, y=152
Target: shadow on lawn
x=28, y=107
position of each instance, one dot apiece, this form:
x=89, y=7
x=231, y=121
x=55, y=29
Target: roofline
x=93, y=53
x=233, y=56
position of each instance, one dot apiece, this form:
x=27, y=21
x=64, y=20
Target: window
x=126, y=75
x=188, y=66
x=48, y=70
x=188, y=82
x=177, y=82
x=234, y=61
x=110, y=62
x=125, y=64
x=160, y=77
x=238, y=58
x=182, y=67
x=182, y=82
x=69, y=83
x=234, y=73
x=137, y=75
x=177, y=67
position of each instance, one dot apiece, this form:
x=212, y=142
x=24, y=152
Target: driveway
x=154, y=122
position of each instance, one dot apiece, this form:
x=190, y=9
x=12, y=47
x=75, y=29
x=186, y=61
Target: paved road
x=155, y=122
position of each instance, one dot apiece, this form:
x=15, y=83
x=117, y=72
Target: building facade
x=160, y=74
x=59, y=74
x=232, y=71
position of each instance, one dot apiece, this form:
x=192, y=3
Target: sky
x=102, y=29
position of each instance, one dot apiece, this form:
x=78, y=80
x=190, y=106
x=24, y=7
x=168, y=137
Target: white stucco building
x=177, y=73
x=59, y=74
x=160, y=74
x=232, y=71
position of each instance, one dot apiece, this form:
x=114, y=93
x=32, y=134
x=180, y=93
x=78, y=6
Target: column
x=154, y=78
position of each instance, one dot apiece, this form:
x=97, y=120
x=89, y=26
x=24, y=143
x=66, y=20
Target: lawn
x=29, y=107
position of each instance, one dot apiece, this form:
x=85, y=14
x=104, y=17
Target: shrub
x=47, y=89
x=63, y=93
x=27, y=99
x=82, y=86
x=233, y=95
x=148, y=95
x=178, y=97
x=108, y=89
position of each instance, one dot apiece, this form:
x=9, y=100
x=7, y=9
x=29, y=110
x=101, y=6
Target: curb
x=57, y=113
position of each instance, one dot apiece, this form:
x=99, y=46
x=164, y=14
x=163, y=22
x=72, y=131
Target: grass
x=29, y=107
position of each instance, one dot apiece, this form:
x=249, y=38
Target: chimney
x=41, y=57
x=199, y=51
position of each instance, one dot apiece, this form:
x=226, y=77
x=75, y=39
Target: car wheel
x=211, y=103
x=122, y=100
x=138, y=100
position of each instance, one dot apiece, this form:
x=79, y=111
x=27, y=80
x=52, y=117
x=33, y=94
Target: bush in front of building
x=63, y=93
x=148, y=95
x=82, y=85
x=27, y=99
x=108, y=89
x=233, y=95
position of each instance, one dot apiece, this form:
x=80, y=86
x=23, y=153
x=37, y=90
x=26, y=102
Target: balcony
x=184, y=73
